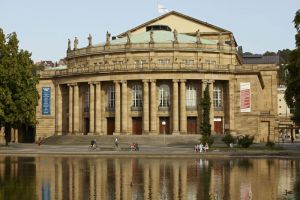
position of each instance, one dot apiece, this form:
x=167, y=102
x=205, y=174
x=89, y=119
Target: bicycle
x=94, y=147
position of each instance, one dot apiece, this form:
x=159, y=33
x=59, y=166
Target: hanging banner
x=245, y=97
x=46, y=96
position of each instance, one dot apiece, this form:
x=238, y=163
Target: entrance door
x=110, y=125
x=164, y=128
x=191, y=125
x=218, y=125
x=86, y=126
x=136, y=125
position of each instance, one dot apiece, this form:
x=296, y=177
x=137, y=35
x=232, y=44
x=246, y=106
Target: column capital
x=124, y=81
x=91, y=82
x=175, y=80
x=71, y=84
x=97, y=82
x=205, y=81
x=182, y=80
x=145, y=81
x=153, y=81
x=210, y=81
x=116, y=81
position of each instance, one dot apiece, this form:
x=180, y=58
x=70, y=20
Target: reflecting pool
x=148, y=178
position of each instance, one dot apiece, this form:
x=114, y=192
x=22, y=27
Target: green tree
x=292, y=93
x=18, y=93
x=205, y=127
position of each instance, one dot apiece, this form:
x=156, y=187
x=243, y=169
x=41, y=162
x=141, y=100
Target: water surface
x=145, y=178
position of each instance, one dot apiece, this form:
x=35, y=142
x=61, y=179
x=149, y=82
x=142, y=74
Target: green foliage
x=270, y=144
x=245, y=141
x=205, y=127
x=228, y=139
x=269, y=53
x=207, y=139
x=18, y=93
x=292, y=94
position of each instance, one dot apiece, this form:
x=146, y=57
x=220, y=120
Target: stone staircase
x=145, y=140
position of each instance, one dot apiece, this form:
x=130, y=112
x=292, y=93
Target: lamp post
x=163, y=123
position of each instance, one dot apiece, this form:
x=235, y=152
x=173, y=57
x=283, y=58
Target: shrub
x=245, y=141
x=228, y=139
x=207, y=139
x=270, y=144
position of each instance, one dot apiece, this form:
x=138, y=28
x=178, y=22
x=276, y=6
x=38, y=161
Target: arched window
x=164, y=96
x=191, y=96
x=137, y=95
x=111, y=97
x=217, y=98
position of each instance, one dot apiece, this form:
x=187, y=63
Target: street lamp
x=163, y=123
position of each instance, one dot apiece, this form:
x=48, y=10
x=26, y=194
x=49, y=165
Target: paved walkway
x=257, y=150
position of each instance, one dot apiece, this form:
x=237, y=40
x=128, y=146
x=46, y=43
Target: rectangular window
x=111, y=97
x=163, y=61
x=86, y=99
x=217, y=96
x=139, y=63
x=188, y=62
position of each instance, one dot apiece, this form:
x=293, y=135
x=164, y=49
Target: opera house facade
x=150, y=80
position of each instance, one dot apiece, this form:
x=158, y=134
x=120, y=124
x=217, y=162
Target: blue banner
x=46, y=104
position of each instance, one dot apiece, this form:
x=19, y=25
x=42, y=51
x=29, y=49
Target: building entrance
x=164, y=125
x=110, y=125
x=218, y=125
x=136, y=125
x=191, y=125
x=86, y=126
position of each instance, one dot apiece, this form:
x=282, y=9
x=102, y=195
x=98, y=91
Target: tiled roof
x=260, y=59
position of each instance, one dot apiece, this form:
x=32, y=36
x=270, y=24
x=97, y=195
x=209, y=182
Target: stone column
x=231, y=106
x=175, y=108
x=117, y=180
x=211, y=95
x=59, y=110
x=183, y=180
x=70, y=109
x=146, y=107
x=117, y=108
x=124, y=107
x=76, y=109
x=183, y=123
x=98, y=109
x=92, y=180
x=153, y=107
x=92, y=108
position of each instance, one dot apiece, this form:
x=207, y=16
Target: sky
x=44, y=26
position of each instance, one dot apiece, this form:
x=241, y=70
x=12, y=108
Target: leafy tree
x=269, y=53
x=18, y=93
x=292, y=94
x=283, y=61
x=205, y=127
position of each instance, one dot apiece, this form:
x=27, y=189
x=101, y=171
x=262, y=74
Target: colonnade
x=178, y=110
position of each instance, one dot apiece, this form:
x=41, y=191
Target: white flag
x=162, y=9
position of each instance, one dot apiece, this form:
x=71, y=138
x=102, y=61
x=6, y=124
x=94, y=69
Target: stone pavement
x=257, y=150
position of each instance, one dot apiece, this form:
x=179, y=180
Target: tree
x=205, y=127
x=292, y=94
x=18, y=93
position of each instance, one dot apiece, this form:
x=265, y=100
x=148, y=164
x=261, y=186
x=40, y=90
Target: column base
x=175, y=133
x=153, y=133
x=116, y=133
x=183, y=133
x=90, y=133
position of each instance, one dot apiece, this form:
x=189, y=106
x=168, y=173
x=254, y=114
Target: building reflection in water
x=96, y=178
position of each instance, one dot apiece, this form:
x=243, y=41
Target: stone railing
x=142, y=47
x=146, y=67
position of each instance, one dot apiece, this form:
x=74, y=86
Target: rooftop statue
x=175, y=36
x=198, y=36
x=107, y=38
x=151, y=37
x=75, y=43
x=69, y=45
x=232, y=40
x=128, y=35
x=90, y=40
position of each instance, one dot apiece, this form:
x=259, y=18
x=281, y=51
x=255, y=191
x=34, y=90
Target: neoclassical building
x=150, y=79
